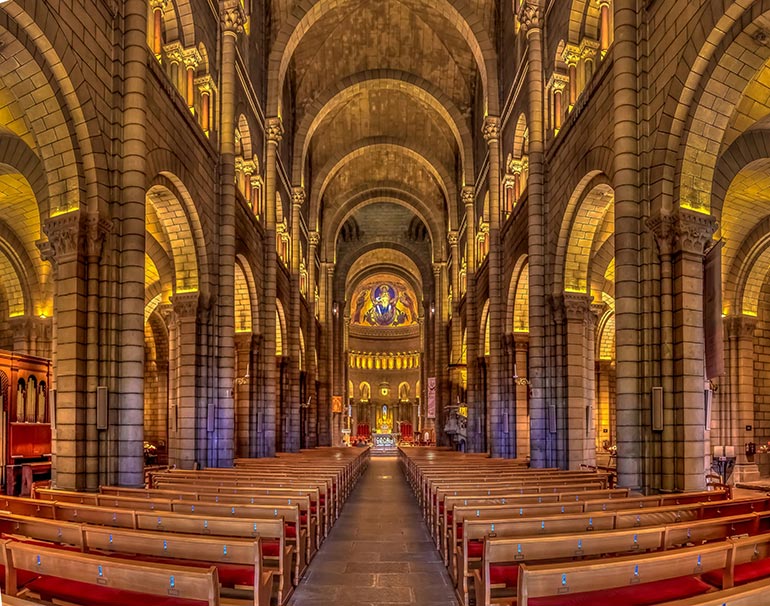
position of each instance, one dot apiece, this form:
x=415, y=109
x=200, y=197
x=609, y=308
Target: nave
x=379, y=551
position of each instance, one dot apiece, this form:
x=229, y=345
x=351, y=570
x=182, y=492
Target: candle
x=730, y=451
x=719, y=451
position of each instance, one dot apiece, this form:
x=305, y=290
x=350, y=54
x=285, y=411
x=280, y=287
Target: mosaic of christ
x=384, y=304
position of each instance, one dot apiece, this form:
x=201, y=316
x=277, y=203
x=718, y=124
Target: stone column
x=530, y=17
x=242, y=389
x=577, y=307
x=205, y=86
x=266, y=430
x=292, y=439
x=692, y=232
x=183, y=431
x=232, y=24
x=476, y=425
x=326, y=369
x=96, y=230
x=65, y=245
x=604, y=26
x=740, y=334
x=313, y=240
x=662, y=226
x=571, y=57
x=175, y=56
x=131, y=227
x=627, y=247
x=557, y=85
x=158, y=8
x=457, y=328
x=440, y=347
x=499, y=444
x=521, y=347
x=232, y=18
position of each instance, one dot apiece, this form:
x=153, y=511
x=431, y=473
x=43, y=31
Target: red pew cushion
x=744, y=573
x=271, y=548
x=22, y=577
x=507, y=575
x=230, y=575
x=644, y=594
x=291, y=530
x=475, y=549
x=95, y=595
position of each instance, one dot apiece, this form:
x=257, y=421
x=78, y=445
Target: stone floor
x=379, y=551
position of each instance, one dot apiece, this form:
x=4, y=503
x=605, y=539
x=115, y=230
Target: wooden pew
x=278, y=555
x=296, y=531
x=9, y=600
x=665, y=575
x=238, y=561
x=497, y=577
x=95, y=579
x=753, y=594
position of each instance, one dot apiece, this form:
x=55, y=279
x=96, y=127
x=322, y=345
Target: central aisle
x=379, y=551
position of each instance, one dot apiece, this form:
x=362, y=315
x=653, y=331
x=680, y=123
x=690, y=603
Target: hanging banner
x=336, y=403
x=431, y=398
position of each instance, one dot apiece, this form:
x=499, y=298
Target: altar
x=384, y=444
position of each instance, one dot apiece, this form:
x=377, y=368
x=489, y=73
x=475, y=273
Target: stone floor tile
x=379, y=553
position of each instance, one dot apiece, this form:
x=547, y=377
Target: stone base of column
x=746, y=472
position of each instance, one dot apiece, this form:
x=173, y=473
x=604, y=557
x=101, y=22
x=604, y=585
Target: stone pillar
x=158, y=8
x=530, y=17
x=692, y=232
x=232, y=25
x=131, y=227
x=175, y=56
x=521, y=384
x=476, y=425
x=440, y=348
x=662, y=226
x=244, y=386
x=571, y=57
x=740, y=334
x=65, y=251
x=183, y=430
x=604, y=26
x=457, y=328
x=558, y=85
x=266, y=429
x=627, y=247
x=577, y=307
x=326, y=369
x=313, y=240
x=223, y=435
x=205, y=86
x=499, y=443
x=292, y=438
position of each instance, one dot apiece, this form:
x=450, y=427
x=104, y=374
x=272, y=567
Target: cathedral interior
x=243, y=231
x=533, y=232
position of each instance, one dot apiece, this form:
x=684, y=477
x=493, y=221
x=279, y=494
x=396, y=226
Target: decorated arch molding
x=308, y=12
x=380, y=79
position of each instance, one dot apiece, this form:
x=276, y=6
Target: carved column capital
x=521, y=341
x=65, y=236
x=453, y=238
x=437, y=268
x=185, y=304
x=558, y=82
x=274, y=130
x=692, y=231
x=577, y=306
x=160, y=5
x=192, y=58
x=491, y=129
x=662, y=227
x=530, y=15
x=468, y=195
x=740, y=327
x=232, y=16
x=298, y=196
x=174, y=52
x=205, y=84
x=588, y=48
x=571, y=55
x=97, y=229
x=314, y=238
